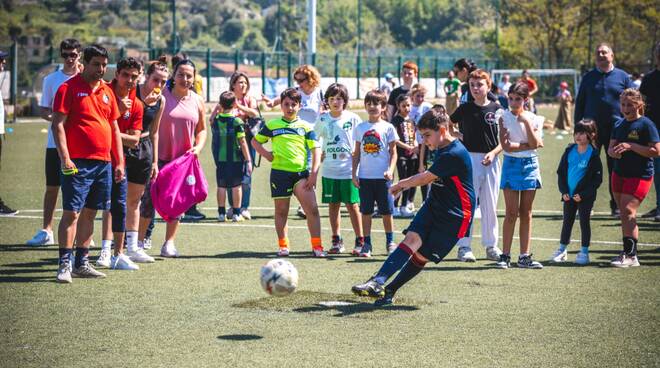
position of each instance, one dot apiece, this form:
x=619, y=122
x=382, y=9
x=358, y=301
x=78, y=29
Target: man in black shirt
x=650, y=88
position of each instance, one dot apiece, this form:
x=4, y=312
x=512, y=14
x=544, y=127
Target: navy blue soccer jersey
x=641, y=131
x=452, y=198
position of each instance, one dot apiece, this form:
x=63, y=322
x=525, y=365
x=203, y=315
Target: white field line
x=265, y=226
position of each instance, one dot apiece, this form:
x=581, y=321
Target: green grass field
x=207, y=309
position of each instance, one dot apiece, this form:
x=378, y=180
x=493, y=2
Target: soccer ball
x=279, y=277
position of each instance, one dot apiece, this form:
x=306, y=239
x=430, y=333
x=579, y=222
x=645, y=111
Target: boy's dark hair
x=376, y=96
x=94, y=50
x=227, y=100
x=401, y=98
x=69, y=44
x=129, y=63
x=588, y=127
x=439, y=107
x=465, y=64
x=432, y=120
x=292, y=94
x=337, y=89
x=520, y=88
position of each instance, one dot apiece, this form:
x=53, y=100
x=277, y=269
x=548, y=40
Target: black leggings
x=406, y=168
x=584, y=209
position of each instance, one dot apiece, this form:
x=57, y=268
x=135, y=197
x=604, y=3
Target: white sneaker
x=582, y=258
x=391, y=247
x=104, y=258
x=319, y=253
x=405, y=212
x=625, y=261
x=283, y=252
x=465, y=255
x=122, y=262
x=246, y=214
x=64, y=273
x=397, y=212
x=222, y=217
x=493, y=253
x=236, y=218
x=168, y=250
x=411, y=207
x=42, y=237
x=140, y=256
x=146, y=244
x=560, y=256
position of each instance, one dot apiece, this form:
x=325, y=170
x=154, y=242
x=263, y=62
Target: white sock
x=106, y=244
x=132, y=241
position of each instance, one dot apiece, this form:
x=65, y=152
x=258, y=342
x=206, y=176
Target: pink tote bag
x=179, y=185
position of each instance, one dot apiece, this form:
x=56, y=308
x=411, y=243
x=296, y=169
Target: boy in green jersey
x=291, y=138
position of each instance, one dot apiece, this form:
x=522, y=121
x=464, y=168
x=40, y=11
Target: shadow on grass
x=240, y=337
x=23, y=247
x=354, y=309
x=260, y=255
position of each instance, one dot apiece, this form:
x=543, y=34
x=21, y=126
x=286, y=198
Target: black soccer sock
x=81, y=256
x=221, y=211
x=65, y=255
x=236, y=211
x=630, y=246
x=394, y=262
x=408, y=272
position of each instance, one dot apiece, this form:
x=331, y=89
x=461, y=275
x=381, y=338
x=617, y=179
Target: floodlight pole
x=311, y=31
x=497, y=34
x=175, y=41
x=149, y=42
x=359, y=45
x=591, y=24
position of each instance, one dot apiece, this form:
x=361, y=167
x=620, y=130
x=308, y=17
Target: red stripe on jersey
x=465, y=204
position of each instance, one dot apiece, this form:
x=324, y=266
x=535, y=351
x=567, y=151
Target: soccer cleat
x=397, y=212
x=625, y=261
x=465, y=255
x=236, y=218
x=528, y=262
x=493, y=253
x=42, y=237
x=283, y=252
x=301, y=213
x=222, y=217
x=504, y=262
x=370, y=288
x=386, y=300
x=168, y=250
x=123, y=262
x=6, y=210
x=64, y=273
x=582, y=258
x=146, y=244
x=193, y=214
x=140, y=256
x=104, y=259
x=559, y=256
x=357, y=248
x=246, y=214
x=390, y=247
x=365, y=251
x=411, y=207
x=405, y=212
x=87, y=271
x=337, y=246
x=319, y=253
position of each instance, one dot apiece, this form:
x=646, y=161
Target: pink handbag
x=179, y=185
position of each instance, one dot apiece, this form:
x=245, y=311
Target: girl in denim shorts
x=520, y=135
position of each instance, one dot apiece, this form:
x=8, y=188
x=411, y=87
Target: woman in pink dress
x=182, y=129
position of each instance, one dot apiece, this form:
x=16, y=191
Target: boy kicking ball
x=445, y=217
x=291, y=138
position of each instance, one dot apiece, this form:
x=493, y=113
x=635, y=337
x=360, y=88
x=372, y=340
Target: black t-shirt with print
x=478, y=126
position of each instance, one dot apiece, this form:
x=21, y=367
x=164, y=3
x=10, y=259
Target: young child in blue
x=444, y=218
x=230, y=153
x=579, y=175
x=375, y=156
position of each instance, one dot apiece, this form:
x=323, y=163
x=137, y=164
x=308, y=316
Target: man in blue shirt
x=598, y=99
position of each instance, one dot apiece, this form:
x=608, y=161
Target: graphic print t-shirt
x=336, y=135
x=478, y=124
x=374, y=148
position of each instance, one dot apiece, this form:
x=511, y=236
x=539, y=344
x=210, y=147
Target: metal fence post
x=399, y=63
x=378, y=70
x=419, y=67
x=289, y=62
x=263, y=72
x=314, y=59
x=357, y=75
x=435, y=76
x=14, y=78
x=51, y=55
x=236, y=60
x=336, y=67
x=122, y=52
x=209, y=67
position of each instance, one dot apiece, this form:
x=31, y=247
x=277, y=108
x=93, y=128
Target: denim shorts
x=520, y=173
x=89, y=188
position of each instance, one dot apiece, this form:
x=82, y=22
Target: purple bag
x=179, y=185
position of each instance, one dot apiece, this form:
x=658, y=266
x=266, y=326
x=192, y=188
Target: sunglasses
x=300, y=80
x=67, y=55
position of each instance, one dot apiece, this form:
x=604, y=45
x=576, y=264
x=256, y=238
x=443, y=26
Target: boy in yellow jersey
x=291, y=138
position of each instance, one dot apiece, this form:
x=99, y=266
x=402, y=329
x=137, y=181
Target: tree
x=232, y=30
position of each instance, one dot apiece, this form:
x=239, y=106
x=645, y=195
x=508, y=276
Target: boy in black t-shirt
x=407, y=149
x=478, y=130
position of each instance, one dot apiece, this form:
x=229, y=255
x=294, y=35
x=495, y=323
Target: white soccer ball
x=279, y=277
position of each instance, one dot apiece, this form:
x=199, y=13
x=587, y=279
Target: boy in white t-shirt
x=335, y=128
x=375, y=154
x=70, y=52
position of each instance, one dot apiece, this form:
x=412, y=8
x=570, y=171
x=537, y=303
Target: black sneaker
x=652, y=213
x=528, y=262
x=386, y=300
x=337, y=246
x=615, y=212
x=6, y=210
x=504, y=262
x=370, y=288
x=301, y=213
x=193, y=214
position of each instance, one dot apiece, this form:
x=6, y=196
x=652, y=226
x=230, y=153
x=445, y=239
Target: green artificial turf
x=207, y=309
